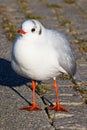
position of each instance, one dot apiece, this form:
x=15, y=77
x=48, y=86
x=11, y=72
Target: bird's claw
x=31, y=108
x=57, y=107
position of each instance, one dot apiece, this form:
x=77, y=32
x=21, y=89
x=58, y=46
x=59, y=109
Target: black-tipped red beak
x=20, y=31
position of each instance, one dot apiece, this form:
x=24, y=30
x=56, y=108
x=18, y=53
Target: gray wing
x=65, y=54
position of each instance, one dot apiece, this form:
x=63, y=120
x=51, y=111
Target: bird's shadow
x=8, y=78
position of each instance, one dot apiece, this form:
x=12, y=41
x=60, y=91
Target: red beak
x=20, y=31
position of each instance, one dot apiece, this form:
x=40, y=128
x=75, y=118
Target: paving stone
x=75, y=120
x=5, y=46
x=12, y=118
x=55, y=2
x=81, y=74
x=13, y=12
x=66, y=94
x=72, y=10
x=83, y=5
x=37, y=8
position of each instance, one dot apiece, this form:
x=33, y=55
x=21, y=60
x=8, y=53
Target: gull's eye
x=33, y=30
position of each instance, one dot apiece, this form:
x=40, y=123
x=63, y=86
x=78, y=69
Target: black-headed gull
x=40, y=54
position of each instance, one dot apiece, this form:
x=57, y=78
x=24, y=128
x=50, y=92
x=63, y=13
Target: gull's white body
x=42, y=56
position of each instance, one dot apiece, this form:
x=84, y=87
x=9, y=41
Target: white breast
x=37, y=61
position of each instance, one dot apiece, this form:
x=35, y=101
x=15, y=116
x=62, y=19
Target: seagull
x=40, y=54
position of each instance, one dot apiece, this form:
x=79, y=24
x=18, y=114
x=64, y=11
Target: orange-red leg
x=57, y=106
x=34, y=105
